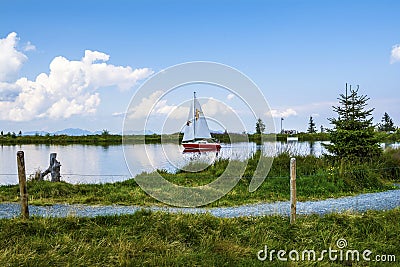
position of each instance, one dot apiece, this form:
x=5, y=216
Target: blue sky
x=299, y=53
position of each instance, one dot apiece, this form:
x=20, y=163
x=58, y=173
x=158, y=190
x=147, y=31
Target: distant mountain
x=73, y=132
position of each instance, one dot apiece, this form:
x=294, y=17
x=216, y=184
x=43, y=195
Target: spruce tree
x=353, y=135
x=387, y=124
x=311, y=126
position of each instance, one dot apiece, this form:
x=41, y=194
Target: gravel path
x=372, y=201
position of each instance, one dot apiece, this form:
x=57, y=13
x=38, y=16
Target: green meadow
x=162, y=239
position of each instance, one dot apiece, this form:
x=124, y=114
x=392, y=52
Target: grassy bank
x=316, y=179
x=162, y=239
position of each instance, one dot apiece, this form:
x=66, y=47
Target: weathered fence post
x=53, y=169
x=292, y=190
x=23, y=191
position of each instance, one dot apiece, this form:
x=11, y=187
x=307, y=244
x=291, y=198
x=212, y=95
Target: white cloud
x=153, y=106
x=8, y=92
x=230, y=96
x=214, y=107
x=93, y=56
x=395, y=54
x=145, y=106
x=172, y=111
x=29, y=47
x=11, y=60
x=68, y=89
x=118, y=114
x=289, y=112
x=282, y=113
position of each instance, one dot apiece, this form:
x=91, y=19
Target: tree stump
x=53, y=169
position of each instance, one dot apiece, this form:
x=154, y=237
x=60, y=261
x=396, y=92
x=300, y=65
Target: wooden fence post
x=22, y=184
x=292, y=190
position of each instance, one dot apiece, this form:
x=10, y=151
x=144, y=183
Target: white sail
x=201, y=130
x=188, y=133
x=196, y=126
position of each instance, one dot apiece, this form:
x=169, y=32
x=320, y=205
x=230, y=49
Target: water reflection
x=101, y=164
x=312, y=150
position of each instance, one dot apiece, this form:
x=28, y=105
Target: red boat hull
x=202, y=146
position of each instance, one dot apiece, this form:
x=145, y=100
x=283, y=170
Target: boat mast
x=194, y=116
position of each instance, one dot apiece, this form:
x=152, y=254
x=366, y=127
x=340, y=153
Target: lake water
x=98, y=164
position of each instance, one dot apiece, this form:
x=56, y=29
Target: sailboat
x=196, y=135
